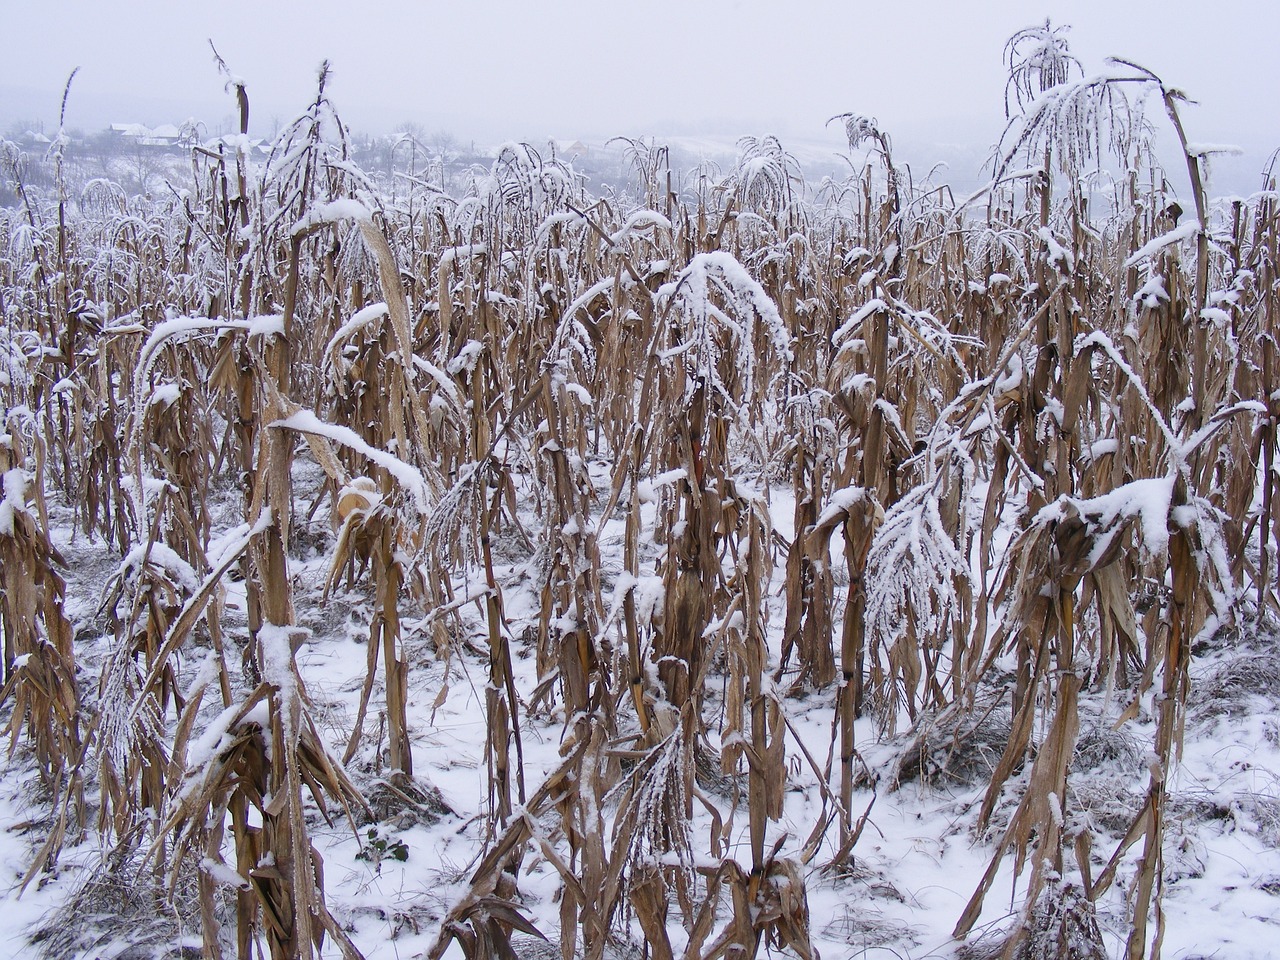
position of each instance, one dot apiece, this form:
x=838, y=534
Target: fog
x=498, y=69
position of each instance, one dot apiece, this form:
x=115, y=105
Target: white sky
x=498, y=69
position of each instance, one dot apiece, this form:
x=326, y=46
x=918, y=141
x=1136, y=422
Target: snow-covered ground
x=911, y=873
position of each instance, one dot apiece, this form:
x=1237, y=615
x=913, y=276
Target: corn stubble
x=1038, y=440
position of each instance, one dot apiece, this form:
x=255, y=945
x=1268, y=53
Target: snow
x=1058, y=255
x=1198, y=149
x=408, y=476
x=359, y=320
x=1011, y=377
x=1152, y=292
x=1184, y=231
x=722, y=268
x=869, y=308
x=225, y=547
x=217, y=736
x=276, y=641
x=840, y=503
x=647, y=490
x=1100, y=448
x=266, y=327
x=15, y=482
x=580, y=393
x=165, y=395
x=335, y=211
x=463, y=252
x=223, y=874
x=638, y=221
x=452, y=398
x=179, y=329
x=467, y=357
x=1147, y=501
x=166, y=558
x=1217, y=316
x=1103, y=342
x=650, y=594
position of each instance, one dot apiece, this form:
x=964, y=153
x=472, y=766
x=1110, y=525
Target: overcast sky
x=498, y=69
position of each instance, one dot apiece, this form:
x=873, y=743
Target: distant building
x=568, y=149
x=130, y=131
x=231, y=141
x=165, y=135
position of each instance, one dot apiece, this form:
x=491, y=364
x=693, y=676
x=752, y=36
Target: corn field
x=715, y=495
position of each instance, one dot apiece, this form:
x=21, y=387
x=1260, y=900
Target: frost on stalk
x=1063, y=924
x=766, y=178
x=524, y=185
x=121, y=728
x=916, y=568
x=859, y=129
x=456, y=513
x=14, y=502
x=719, y=300
x=409, y=477
x=653, y=821
x=15, y=362
x=277, y=666
x=1038, y=58
x=1077, y=120
x=571, y=351
x=1105, y=518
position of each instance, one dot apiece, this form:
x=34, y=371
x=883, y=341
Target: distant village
x=194, y=133
x=141, y=157
x=129, y=136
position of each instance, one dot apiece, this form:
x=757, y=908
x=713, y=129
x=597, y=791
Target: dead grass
x=955, y=749
x=1237, y=683
x=121, y=910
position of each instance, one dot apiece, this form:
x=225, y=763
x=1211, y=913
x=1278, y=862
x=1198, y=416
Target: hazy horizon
x=719, y=69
